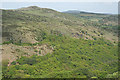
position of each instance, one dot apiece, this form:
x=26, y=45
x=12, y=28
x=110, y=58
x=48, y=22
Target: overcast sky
x=59, y=0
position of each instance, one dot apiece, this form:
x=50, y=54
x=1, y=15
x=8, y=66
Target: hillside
x=44, y=43
x=29, y=22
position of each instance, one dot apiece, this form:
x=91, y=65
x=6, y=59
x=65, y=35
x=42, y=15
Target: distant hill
x=83, y=12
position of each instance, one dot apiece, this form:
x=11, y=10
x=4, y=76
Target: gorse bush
x=71, y=58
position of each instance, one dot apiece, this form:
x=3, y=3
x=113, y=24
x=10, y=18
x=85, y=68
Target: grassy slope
x=34, y=21
x=94, y=55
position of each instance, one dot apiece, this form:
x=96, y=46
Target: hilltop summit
x=34, y=7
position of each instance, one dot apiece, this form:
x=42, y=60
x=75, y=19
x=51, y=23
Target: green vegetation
x=44, y=43
x=71, y=58
x=0, y=70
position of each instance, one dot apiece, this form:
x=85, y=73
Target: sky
x=59, y=0
x=97, y=7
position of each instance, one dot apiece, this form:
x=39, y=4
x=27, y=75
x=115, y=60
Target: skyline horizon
x=94, y=7
x=67, y=10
